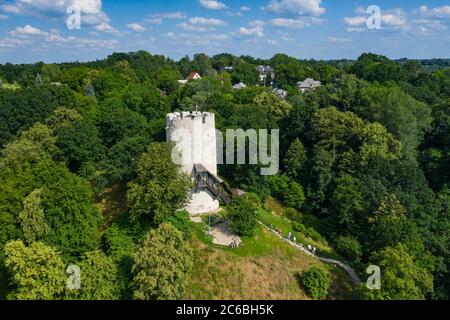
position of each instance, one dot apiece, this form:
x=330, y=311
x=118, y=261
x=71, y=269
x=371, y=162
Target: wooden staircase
x=206, y=180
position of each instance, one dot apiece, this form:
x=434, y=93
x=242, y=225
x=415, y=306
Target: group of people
x=292, y=238
x=234, y=244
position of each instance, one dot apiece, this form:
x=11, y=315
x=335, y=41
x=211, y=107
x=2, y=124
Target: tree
x=349, y=247
x=22, y=108
x=295, y=159
x=37, y=271
x=160, y=188
x=403, y=116
x=243, y=215
x=73, y=218
x=120, y=246
x=316, y=282
x=98, y=278
x=80, y=144
x=161, y=264
x=275, y=107
x=32, y=217
x=402, y=279
x=294, y=196
x=347, y=202
x=391, y=226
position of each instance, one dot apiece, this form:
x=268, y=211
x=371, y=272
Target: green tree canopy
x=161, y=264
x=37, y=271
x=160, y=188
x=401, y=278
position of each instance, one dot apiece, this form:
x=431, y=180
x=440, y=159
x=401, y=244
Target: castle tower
x=194, y=135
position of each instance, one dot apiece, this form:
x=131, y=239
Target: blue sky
x=35, y=30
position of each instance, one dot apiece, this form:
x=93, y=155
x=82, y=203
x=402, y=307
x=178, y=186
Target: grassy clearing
x=264, y=267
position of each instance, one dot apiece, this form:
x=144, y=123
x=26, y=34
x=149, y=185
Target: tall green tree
x=401, y=278
x=161, y=265
x=98, y=278
x=37, y=271
x=32, y=217
x=160, y=188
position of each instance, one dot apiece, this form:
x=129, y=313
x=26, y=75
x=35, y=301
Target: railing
x=206, y=180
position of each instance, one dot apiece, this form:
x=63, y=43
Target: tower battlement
x=188, y=118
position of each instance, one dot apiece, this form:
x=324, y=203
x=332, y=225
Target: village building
x=239, y=86
x=192, y=76
x=266, y=75
x=308, y=85
x=280, y=93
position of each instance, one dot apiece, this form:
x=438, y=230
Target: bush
x=293, y=215
x=289, y=191
x=308, y=232
x=349, y=248
x=243, y=215
x=294, y=196
x=180, y=220
x=316, y=282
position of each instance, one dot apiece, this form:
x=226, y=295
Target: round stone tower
x=194, y=135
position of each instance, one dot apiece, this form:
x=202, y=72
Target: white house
x=266, y=72
x=239, y=86
x=280, y=93
x=192, y=76
x=308, y=84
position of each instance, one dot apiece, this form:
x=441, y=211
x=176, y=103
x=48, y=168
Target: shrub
x=316, y=282
x=349, y=248
x=243, y=215
x=293, y=215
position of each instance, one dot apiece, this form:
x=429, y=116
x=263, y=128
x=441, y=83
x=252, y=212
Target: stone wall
x=194, y=135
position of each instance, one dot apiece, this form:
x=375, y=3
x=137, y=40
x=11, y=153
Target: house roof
x=192, y=75
x=309, y=83
x=240, y=85
x=265, y=69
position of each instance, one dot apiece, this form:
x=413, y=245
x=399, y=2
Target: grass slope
x=264, y=267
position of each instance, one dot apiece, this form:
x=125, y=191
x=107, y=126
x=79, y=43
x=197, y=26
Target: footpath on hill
x=351, y=273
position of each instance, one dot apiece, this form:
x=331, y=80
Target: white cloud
x=200, y=24
x=256, y=23
x=169, y=15
x=207, y=21
x=245, y=8
x=296, y=7
x=255, y=29
x=13, y=43
x=196, y=28
x=154, y=20
x=31, y=36
x=3, y=17
x=136, y=27
x=438, y=12
x=355, y=21
x=298, y=23
x=92, y=13
x=106, y=28
x=212, y=4
x=339, y=40
x=234, y=14
x=28, y=31
x=170, y=35
x=393, y=19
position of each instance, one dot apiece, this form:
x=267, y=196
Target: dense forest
x=365, y=163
